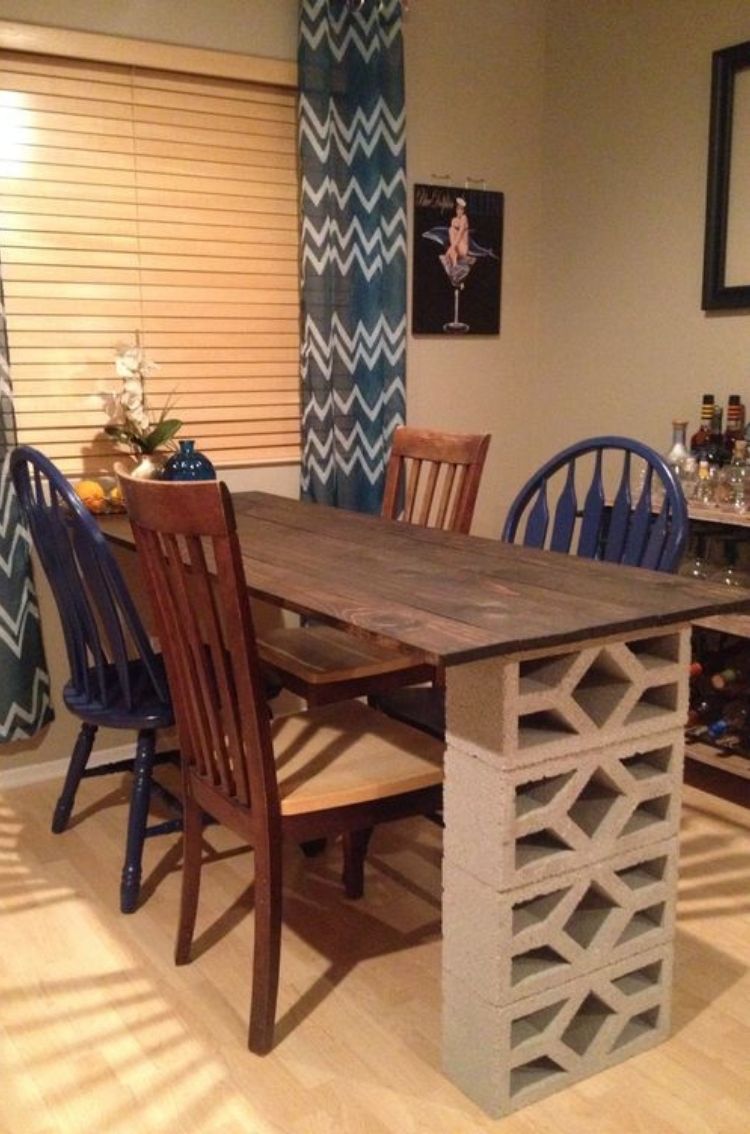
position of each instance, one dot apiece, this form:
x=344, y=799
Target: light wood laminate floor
x=100, y=1033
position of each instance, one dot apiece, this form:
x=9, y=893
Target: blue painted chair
x=116, y=679
x=607, y=498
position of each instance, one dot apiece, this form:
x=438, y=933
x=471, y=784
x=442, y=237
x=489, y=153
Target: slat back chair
x=608, y=498
x=432, y=479
x=311, y=775
x=116, y=679
x=582, y=502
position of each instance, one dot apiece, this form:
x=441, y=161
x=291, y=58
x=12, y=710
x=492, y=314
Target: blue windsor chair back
x=608, y=498
x=116, y=678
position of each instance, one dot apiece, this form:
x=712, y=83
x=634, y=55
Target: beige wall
x=255, y=27
x=592, y=118
x=474, y=99
x=624, y=344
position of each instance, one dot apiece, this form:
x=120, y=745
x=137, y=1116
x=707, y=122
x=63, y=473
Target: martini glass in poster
x=458, y=236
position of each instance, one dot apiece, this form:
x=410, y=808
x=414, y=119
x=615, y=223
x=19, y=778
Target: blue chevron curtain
x=352, y=147
x=24, y=683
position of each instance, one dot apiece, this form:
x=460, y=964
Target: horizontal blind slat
x=159, y=203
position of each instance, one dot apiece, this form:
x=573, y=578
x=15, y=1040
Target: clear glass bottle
x=689, y=476
x=695, y=564
x=732, y=488
x=678, y=454
x=703, y=493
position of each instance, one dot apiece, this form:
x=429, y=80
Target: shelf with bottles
x=714, y=466
x=718, y=726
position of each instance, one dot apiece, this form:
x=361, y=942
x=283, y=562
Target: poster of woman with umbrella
x=458, y=237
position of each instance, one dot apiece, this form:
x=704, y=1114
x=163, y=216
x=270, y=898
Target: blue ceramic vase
x=188, y=464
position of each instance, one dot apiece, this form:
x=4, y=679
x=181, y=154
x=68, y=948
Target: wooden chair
x=116, y=679
x=324, y=772
x=432, y=480
x=642, y=521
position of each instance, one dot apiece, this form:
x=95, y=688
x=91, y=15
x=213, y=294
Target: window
x=158, y=202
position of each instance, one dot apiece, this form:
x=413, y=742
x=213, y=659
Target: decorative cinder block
x=512, y=944
x=510, y=828
x=507, y=1057
x=536, y=709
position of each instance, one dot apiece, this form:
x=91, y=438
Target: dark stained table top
x=457, y=598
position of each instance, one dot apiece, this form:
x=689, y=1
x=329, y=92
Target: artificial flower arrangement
x=130, y=421
x=130, y=424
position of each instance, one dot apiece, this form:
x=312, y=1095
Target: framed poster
x=458, y=239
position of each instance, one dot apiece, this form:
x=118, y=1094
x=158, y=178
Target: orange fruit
x=90, y=490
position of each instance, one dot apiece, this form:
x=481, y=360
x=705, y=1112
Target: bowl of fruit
x=101, y=494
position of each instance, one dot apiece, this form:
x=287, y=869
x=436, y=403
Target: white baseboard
x=56, y=769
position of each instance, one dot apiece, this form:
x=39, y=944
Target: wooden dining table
x=566, y=698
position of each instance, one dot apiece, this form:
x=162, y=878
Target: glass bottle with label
x=735, y=429
x=702, y=434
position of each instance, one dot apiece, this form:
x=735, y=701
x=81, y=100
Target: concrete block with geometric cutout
x=511, y=944
x=509, y=828
x=507, y=1057
x=562, y=795
x=524, y=712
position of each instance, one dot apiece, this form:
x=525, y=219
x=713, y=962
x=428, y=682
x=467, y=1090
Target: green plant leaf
x=160, y=434
x=120, y=433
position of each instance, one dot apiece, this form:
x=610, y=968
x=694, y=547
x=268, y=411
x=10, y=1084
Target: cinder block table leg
x=563, y=777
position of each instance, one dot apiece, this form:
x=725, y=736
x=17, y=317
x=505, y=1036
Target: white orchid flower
x=130, y=422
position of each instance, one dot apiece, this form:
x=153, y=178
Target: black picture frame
x=717, y=294
x=456, y=283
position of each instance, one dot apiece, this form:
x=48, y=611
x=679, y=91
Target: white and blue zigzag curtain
x=24, y=683
x=352, y=145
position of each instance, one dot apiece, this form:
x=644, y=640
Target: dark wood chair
x=608, y=498
x=116, y=679
x=336, y=770
x=432, y=480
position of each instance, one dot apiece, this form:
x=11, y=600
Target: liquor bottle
x=735, y=429
x=715, y=451
x=734, y=716
x=678, y=454
x=703, y=432
x=704, y=710
x=705, y=702
x=705, y=483
x=727, y=679
x=734, y=480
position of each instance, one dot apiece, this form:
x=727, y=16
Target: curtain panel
x=353, y=246
x=24, y=682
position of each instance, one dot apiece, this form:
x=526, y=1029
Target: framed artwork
x=458, y=240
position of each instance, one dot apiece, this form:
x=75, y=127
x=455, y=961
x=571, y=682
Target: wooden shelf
x=725, y=761
x=715, y=777
x=715, y=515
x=737, y=624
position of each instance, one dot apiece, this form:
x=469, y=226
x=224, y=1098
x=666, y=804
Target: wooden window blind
x=158, y=203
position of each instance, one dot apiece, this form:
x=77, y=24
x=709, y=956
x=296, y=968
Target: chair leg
x=192, y=856
x=267, y=951
x=140, y=797
x=355, y=844
x=78, y=761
